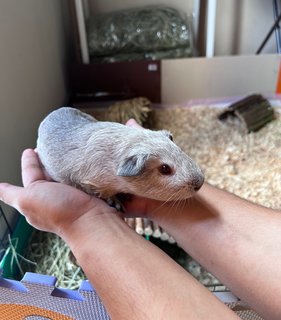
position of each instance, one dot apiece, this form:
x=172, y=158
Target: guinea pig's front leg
x=118, y=200
x=107, y=195
x=115, y=203
x=95, y=190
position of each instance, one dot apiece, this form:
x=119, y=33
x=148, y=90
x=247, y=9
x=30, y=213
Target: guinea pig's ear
x=132, y=166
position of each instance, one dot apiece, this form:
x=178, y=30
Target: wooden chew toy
x=147, y=228
x=254, y=111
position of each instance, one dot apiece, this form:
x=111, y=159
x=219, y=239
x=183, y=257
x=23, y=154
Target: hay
x=16, y=258
x=245, y=164
x=53, y=257
x=122, y=111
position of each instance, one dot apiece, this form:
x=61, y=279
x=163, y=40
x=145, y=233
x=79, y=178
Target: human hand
x=47, y=205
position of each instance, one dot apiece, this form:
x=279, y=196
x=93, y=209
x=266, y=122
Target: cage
x=15, y=233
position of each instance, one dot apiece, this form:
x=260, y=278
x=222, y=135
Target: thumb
x=133, y=123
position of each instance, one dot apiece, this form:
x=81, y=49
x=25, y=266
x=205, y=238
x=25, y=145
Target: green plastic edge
x=22, y=232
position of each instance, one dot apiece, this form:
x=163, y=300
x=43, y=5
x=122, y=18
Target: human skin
x=133, y=277
x=237, y=241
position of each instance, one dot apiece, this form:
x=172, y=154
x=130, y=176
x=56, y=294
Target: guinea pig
x=107, y=158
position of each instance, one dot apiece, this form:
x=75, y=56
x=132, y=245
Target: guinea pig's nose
x=197, y=183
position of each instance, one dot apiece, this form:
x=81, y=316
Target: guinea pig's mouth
x=187, y=191
x=197, y=183
x=194, y=185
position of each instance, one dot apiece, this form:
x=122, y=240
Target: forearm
x=136, y=279
x=234, y=239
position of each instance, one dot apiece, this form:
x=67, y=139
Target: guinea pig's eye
x=165, y=169
x=171, y=137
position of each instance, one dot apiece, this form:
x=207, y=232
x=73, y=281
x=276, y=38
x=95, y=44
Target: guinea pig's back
x=65, y=119
x=61, y=135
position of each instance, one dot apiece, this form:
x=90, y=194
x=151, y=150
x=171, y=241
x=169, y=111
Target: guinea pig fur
x=107, y=158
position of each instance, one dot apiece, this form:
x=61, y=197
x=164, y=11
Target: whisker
x=164, y=203
x=175, y=203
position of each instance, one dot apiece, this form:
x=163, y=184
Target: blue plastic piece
x=86, y=286
x=67, y=293
x=40, y=279
x=12, y=284
x=40, y=291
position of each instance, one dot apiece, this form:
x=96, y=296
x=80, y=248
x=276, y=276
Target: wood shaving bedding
x=248, y=165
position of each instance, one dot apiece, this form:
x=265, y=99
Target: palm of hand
x=49, y=205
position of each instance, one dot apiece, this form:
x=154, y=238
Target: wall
x=34, y=41
x=242, y=26
x=32, y=77
x=218, y=77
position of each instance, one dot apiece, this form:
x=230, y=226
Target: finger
x=133, y=123
x=10, y=194
x=31, y=168
x=46, y=175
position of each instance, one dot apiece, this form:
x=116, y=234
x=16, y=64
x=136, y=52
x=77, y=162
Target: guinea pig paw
x=115, y=203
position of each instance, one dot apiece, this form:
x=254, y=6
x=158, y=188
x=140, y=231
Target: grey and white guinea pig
x=107, y=158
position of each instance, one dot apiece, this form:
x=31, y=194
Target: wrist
x=93, y=223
